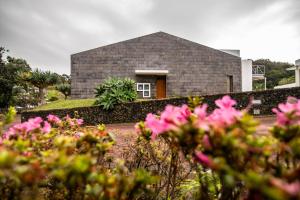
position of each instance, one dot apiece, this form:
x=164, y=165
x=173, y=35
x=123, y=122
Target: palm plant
x=64, y=88
x=42, y=80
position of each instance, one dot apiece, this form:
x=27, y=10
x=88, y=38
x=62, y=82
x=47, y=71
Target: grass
x=70, y=103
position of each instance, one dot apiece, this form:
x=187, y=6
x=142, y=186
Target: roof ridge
x=120, y=42
x=182, y=40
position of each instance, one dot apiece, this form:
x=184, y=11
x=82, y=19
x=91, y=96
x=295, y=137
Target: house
x=163, y=65
x=297, y=76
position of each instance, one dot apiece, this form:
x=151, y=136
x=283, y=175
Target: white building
x=297, y=76
x=250, y=72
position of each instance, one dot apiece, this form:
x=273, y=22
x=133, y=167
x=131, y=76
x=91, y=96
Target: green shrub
x=53, y=95
x=114, y=91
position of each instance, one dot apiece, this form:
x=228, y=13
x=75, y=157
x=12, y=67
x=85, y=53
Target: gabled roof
x=167, y=36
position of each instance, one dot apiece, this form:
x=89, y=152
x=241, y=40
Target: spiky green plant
x=42, y=80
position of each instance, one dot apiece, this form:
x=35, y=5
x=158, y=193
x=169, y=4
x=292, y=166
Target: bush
x=247, y=165
x=60, y=159
x=195, y=153
x=53, y=95
x=114, y=91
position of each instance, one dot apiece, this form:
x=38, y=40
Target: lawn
x=61, y=104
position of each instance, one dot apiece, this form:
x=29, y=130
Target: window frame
x=143, y=90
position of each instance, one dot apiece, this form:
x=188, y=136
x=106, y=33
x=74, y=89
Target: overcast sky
x=47, y=32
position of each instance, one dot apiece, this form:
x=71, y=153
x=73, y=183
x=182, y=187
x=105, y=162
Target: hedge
x=137, y=111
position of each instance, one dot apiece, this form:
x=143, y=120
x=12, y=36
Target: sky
x=47, y=32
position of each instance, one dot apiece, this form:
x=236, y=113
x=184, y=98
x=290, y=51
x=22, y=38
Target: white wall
x=297, y=76
x=246, y=75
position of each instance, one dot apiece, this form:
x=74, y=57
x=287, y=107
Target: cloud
x=46, y=33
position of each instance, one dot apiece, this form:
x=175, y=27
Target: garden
x=185, y=152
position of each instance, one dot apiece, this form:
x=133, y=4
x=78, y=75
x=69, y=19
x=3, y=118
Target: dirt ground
x=266, y=122
x=125, y=133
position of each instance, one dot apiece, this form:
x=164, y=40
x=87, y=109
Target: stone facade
x=194, y=69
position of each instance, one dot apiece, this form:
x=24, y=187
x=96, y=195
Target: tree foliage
x=42, y=80
x=11, y=72
x=64, y=88
x=275, y=71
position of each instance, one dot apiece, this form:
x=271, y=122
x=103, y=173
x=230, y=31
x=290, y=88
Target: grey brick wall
x=194, y=69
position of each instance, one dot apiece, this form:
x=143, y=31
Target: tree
x=64, y=88
x=10, y=77
x=275, y=71
x=42, y=80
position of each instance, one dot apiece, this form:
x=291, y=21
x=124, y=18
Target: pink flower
x=201, y=114
x=156, y=125
x=226, y=102
x=226, y=114
x=203, y=159
x=79, y=122
x=23, y=129
x=32, y=124
x=224, y=117
x=292, y=189
x=206, y=142
x=170, y=119
x=53, y=119
x=78, y=135
x=47, y=127
x=176, y=115
x=288, y=113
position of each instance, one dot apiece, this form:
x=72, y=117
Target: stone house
x=162, y=65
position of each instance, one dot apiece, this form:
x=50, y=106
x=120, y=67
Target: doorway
x=161, y=87
x=230, y=83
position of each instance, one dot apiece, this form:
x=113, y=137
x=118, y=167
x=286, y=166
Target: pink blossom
x=33, y=123
x=226, y=102
x=53, y=119
x=156, y=125
x=224, y=117
x=23, y=128
x=201, y=114
x=170, y=119
x=292, y=189
x=287, y=113
x=78, y=135
x=203, y=159
x=47, y=127
x=206, y=142
x=176, y=115
x=79, y=122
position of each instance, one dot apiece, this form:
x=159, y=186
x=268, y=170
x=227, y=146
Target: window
x=144, y=88
x=229, y=83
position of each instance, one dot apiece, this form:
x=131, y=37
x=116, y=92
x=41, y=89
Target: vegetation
x=59, y=159
x=275, y=72
x=22, y=87
x=10, y=78
x=42, y=80
x=243, y=165
x=185, y=153
x=64, y=88
x=115, y=90
x=70, y=103
x=53, y=95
